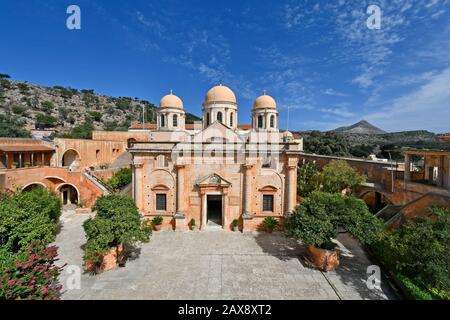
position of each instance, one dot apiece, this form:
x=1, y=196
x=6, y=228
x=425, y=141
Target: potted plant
x=269, y=224
x=192, y=225
x=235, y=225
x=157, y=222
x=319, y=219
x=116, y=225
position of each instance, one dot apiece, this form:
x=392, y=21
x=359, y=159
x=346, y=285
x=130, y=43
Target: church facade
x=216, y=171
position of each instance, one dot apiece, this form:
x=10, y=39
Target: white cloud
x=332, y=92
x=428, y=108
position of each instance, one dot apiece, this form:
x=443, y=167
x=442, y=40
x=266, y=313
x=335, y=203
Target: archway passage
x=375, y=201
x=69, y=194
x=32, y=186
x=69, y=157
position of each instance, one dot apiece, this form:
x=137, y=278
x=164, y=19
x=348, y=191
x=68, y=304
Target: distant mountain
x=362, y=127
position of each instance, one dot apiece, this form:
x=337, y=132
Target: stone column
x=247, y=191
x=225, y=209
x=138, y=192
x=407, y=174
x=290, y=188
x=203, y=204
x=180, y=185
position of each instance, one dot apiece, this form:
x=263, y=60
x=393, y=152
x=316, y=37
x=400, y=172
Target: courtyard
x=216, y=265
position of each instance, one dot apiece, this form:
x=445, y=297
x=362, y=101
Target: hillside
x=362, y=145
x=32, y=106
x=362, y=127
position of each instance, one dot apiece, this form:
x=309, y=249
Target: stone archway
x=69, y=194
x=375, y=200
x=33, y=185
x=69, y=157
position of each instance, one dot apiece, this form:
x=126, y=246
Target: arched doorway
x=375, y=201
x=33, y=186
x=69, y=194
x=69, y=157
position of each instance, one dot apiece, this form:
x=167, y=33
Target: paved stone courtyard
x=216, y=265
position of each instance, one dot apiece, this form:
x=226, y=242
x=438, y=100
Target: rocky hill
x=65, y=109
x=362, y=127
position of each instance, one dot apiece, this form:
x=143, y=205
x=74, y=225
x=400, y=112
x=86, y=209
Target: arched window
x=231, y=119
x=163, y=121
x=272, y=121
x=207, y=119
x=260, y=121
x=219, y=117
x=175, y=121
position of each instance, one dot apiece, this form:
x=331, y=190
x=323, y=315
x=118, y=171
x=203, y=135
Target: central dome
x=220, y=93
x=171, y=101
x=264, y=101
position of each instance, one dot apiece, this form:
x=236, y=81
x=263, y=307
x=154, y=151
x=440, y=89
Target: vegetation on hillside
x=363, y=145
x=73, y=113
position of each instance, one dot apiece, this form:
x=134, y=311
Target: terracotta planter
x=157, y=227
x=193, y=228
x=269, y=230
x=109, y=260
x=325, y=260
x=236, y=228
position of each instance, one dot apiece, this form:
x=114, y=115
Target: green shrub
x=234, y=223
x=97, y=116
x=83, y=131
x=19, y=110
x=28, y=217
x=31, y=274
x=47, y=106
x=11, y=127
x=120, y=179
x=419, y=251
x=192, y=222
x=158, y=220
x=117, y=222
x=317, y=220
x=270, y=223
x=45, y=121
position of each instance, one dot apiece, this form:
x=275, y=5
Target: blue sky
x=318, y=59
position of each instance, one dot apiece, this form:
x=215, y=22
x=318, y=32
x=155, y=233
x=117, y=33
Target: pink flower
x=18, y=265
x=11, y=282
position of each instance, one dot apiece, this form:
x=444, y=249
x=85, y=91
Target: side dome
x=171, y=101
x=220, y=93
x=264, y=102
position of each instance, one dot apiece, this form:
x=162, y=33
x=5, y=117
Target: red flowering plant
x=30, y=274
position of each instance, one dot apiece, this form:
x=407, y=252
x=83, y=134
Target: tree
x=4, y=76
x=308, y=179
x=83, y=131
x=338, y=176
x=45, y=121
x=97, y=116
x=328, y=143
x=317, y=220
x=28, y=217
x=11, y=127
x=120, y=179
x=418, y=253
x=117, y=222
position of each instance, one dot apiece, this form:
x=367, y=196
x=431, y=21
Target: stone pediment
x=213, y=180
x=218, y=132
